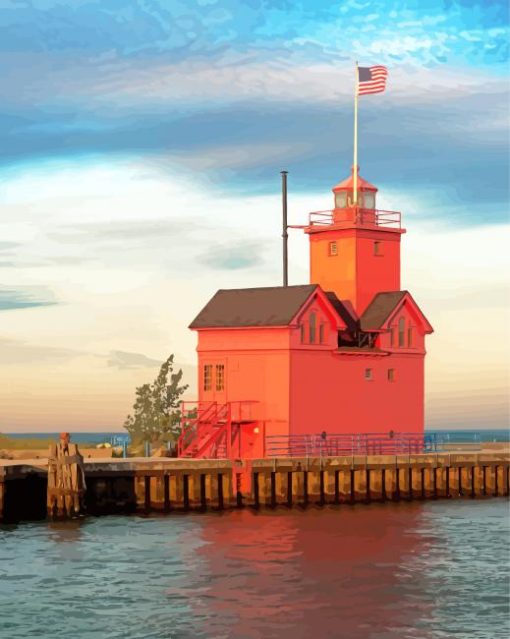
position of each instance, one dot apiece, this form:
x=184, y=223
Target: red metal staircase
x=209, y=429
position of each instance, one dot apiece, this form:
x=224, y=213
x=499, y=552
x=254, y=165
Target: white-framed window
x=332, y=249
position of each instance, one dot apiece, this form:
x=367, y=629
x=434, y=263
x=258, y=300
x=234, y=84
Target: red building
x=344, y=354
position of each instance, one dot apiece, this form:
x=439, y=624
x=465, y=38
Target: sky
x=140, y=148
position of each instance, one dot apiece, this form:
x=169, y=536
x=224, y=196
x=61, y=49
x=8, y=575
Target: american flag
x=371, y=79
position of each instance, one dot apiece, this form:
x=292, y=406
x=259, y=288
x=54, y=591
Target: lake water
x=419, y=570
x=90, y=437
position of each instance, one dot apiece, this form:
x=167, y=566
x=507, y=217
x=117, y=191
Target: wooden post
x=66, y=479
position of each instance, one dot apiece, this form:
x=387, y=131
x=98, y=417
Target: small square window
x=377, y=248
x=332, y=249
x=391, y=374
x=368, y=374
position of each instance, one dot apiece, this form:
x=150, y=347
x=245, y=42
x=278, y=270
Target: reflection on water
x=419, y=571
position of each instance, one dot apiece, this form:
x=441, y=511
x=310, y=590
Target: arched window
x=313, y=324
x=401, y=331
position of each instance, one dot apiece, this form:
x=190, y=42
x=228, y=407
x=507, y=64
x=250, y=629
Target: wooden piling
x=176, y=485
x=66, y=480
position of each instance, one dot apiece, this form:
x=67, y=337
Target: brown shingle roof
x=271, y=306
x=379, y=309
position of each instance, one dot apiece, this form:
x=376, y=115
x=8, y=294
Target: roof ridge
x=266, y=288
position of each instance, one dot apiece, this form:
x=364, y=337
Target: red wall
x=356, y=273
x=257, y=365
x=330, y=392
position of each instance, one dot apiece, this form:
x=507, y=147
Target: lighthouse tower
x=355, y=248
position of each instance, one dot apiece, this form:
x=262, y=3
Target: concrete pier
x=172, y=485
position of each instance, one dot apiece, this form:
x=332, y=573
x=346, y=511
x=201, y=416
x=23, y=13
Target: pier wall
x=173, y=485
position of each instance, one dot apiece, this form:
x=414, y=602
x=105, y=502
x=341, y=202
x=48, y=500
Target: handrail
x=348, y=444
x=360, y=215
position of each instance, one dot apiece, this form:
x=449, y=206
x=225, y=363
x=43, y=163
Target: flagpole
x=355, y=162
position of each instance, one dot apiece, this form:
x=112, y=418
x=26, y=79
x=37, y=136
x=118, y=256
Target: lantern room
x=344, y=193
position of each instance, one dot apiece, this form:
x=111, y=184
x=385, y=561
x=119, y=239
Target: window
x=208, y=377
x=401, y=331
x=220, y=377
x=303, y=333
x=392, y=336
x=409, y=337
x=321, y=334
x=377, y=248
x=368, y=374
x=341, y=200
x=313, y=324
x=332, y=249
x=391, y=374
x=369, y=200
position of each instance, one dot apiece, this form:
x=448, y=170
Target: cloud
x=233, y=257
x=124, y=360
x=19, y=352
x=125, y=231
x=25, y=297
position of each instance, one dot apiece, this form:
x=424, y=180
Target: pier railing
x=332, y=445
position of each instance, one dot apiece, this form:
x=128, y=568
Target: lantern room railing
x=358, y=215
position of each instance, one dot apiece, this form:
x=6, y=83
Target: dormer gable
x=398, y=321
x=317, y=323
x=383, y=308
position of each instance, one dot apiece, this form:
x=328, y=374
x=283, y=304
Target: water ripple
x=430, y=570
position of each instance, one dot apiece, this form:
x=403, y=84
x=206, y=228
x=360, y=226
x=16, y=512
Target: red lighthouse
x=341, y=355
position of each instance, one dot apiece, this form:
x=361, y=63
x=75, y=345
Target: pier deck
x=169, y=484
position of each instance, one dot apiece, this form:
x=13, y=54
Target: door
x=213, y=383
x=251, y=441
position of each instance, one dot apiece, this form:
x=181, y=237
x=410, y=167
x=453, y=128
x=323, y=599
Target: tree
x=156, y=412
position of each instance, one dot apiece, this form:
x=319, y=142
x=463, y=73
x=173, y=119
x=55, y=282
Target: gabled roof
x=379, y=309
x=383, y=307
x=270, y=306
